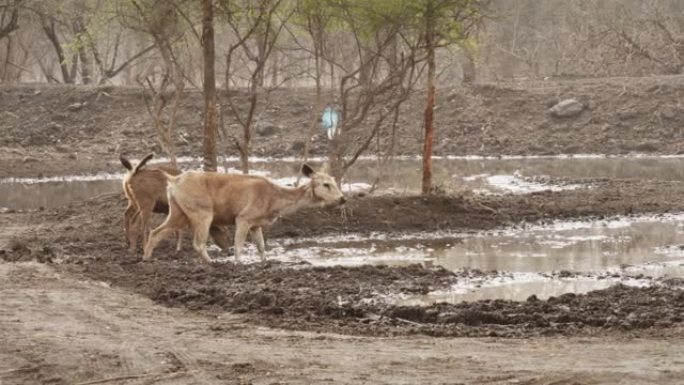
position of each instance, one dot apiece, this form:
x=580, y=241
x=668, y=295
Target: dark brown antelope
x=145, y=190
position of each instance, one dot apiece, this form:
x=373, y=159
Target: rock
x=627, y=114
x=668, y=113
x=267, y=129
x=297, y=146
x=567, y=108
x=55, y=126
x=60, y=116
x=62, y=148
x=76, y=106
x=650, y=146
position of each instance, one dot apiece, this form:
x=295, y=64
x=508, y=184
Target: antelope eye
x=326, y=185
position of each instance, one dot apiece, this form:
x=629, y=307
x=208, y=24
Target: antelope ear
x=307, y=170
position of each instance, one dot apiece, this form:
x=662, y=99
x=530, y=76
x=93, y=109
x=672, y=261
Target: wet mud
x=86, y=239
x=349, y=300
x=79, y=316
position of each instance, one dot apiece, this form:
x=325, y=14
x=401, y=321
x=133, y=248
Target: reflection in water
x=518, y=291
x=399, y=176
x=403, y=175
x=623, y=247
x=592, y=249
x=53, y=194
x=637, y=245
x=628, y=245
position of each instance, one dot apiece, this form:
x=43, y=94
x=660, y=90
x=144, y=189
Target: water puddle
x=53, y=194
x=607, y=252
x=517, y=288
x=619, y=250
x=484, y=175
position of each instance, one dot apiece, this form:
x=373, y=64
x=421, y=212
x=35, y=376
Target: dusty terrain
x=58, y=330
x=77, y=308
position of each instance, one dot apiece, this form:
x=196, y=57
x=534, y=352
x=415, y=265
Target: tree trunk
x=468, y=63
x=335, y=160
x=274, y=68
x=430, y=105
x=210, y=111
x=50, y=32
x=80, y=32
x=6, y=66
x=12, y=19
x=247, y=127
x=86, y=76
x=318, y=103
x=261, y=57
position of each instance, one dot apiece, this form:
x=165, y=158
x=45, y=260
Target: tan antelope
x=145, y=190
x=250, y=202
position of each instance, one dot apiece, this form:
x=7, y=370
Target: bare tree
x=9, y=22
x=159, y=19
x=108, y=56
x=9, y=17
x=210, y=111
x=67, y=66
x=256, y=26
x=314, y=20
x=656, y=36
x=368, y=106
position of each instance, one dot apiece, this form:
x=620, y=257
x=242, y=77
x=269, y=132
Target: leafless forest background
x=366, y=58
x=97, y=41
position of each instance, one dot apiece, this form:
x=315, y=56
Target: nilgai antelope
x=250, y=202
x=145, y=190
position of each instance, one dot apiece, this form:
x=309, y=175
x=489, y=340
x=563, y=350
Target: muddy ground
x=85, y=239
x=61, y=330
x=89, y=311
x=77, y=307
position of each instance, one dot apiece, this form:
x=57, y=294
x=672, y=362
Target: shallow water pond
x=606, y=252
x=400, y=176
x=53, y=194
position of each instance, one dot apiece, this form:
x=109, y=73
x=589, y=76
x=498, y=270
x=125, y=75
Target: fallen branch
x=129, y=377
x=406, y=321
x=25, y=369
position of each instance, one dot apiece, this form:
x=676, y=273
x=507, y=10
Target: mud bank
x=62, y=330
x=86, y=239
x=95, y=226
x=347, y=300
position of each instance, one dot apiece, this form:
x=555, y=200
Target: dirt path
x=59, y=330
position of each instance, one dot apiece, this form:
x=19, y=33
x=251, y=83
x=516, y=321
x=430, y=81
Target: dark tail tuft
x=126, y=163
x=142, y=162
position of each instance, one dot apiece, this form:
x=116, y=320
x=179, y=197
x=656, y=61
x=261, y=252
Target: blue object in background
x=329, y=121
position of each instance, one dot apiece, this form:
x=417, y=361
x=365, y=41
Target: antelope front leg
x=258, y=237
x=156, y=236
x=179, y=240
x=199, y=241
x=241, y=230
